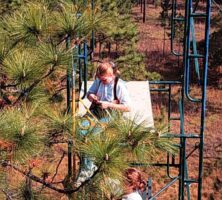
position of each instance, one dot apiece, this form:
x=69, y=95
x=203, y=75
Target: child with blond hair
x=108, y=91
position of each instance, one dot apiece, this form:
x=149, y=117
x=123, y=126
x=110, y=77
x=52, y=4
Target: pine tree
x=34, y=127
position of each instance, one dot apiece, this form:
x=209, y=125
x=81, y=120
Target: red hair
x=133, y=181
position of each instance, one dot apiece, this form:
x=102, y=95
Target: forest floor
x=159, y=59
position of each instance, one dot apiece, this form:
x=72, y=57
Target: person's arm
x=123, y=99
x=91, y=94
x=120, y=107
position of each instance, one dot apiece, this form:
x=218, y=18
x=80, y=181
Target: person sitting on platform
x=108, y=91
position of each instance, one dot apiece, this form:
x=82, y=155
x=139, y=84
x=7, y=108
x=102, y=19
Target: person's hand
x=93, y=98
x=115, y=101
x=104, y=104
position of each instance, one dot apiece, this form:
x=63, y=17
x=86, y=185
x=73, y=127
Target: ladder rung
x=190, y=181
x=154, y=164
x=198, y=14
x=160, y=89
x=164, y=82
x=172, y=135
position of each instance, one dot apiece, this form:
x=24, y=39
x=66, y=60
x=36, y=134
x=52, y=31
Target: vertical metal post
x=169, y=126
x=149, y=187
x=169, y=108
x=80, y=66
x=85, y=68
x=74, y=70
x=187, y=44
x=70, y=158
x=203, y=106
x=69, y=108
x=187, y=177
x=181, y=169
x=68, y=80
x=169, y=129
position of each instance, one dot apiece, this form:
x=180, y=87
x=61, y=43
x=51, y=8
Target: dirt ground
x=159, y=59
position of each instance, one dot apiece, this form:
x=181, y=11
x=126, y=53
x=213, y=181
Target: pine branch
x=29, y=89
x=49, y=185
x=56, y=172
x=58, y=91
x=57, y=168
x=6, y=194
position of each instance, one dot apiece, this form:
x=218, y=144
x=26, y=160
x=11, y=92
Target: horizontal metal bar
x=154, y=164
x=174, y=118
x=159, y=89
x=196, y=56
x=171, y=135
x=190, y=181
x=164, y=82
x=198, y=15
x=165, y=165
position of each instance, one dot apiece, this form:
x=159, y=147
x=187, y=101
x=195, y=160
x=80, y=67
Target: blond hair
x=106, y=68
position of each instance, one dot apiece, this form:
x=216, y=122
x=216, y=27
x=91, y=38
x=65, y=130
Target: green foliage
x=105, y=149
x=116, y=144
x=7, y=6
x=4, y=48
x=23, y=130
x=33, y=61
x=21, y=66
x=57, y=121
x=125, y=136
x=124, y=6
x=27, y=24
x=38, y=96
x=52, y=55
